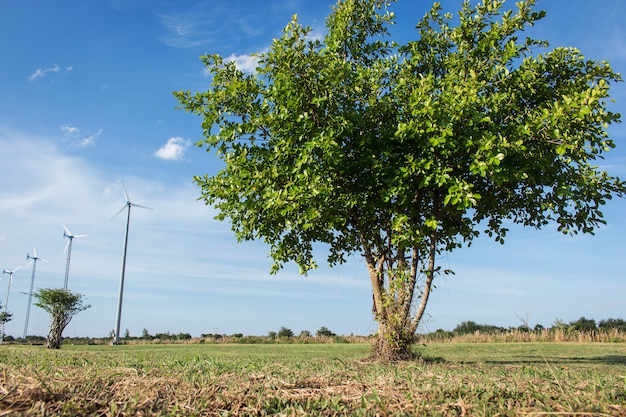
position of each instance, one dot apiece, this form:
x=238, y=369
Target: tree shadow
x=534, y=360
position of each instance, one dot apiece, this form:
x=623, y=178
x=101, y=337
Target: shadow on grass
x=597, y=360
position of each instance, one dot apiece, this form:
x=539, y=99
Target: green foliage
x=60, y=302
x=5, y=317
x=609, y=324
x=401, y=152
x=468, y=327
x=284, y=332
x=583, y=324
x=324, y=332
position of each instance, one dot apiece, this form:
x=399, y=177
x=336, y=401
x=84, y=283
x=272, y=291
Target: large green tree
x=401, y=152
x=62, y=305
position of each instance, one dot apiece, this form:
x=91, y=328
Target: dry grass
x=326, y=380
x=516, y=336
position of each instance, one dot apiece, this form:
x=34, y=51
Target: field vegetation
x=331, y=379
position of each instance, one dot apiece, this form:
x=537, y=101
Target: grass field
x=453, y=379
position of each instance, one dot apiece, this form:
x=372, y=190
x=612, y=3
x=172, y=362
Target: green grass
x=454, y=379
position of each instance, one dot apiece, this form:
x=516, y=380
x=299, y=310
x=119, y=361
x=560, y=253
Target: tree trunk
x=393, y=296
x=393, y=343
x=55, y=337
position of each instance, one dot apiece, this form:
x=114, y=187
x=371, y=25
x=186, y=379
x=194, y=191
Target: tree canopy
x=400, y=152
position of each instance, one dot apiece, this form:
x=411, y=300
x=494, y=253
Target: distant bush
x=611, y=324
x=468, y=327
x=211, y=336
x=324, y=332
x=285, y=333
x=583, y=325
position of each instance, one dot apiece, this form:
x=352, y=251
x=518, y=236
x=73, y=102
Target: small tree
x=5, y=317
x=62, y=305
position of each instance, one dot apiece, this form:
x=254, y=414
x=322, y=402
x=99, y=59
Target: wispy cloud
x=173, y=150
x=73, y=134
x=42, y=72
x=69, y=130
x=209, y=23
x=189, y=29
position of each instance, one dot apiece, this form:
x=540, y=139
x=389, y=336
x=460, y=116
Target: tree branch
x=430, y=275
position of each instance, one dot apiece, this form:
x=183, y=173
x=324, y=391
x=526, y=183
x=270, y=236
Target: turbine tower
x=68, y=249
x=6, y=302
x=33, y=260
x=128, y=205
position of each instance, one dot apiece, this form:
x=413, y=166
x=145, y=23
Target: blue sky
x=86, y=102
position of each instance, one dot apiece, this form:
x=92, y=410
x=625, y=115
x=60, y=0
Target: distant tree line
x=583, y=324
x=323, y=334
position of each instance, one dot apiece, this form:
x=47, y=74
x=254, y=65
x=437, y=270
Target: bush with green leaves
x=62, y=305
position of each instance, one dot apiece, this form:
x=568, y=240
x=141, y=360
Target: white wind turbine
x=6, y=302
x=128, y=205
x=33, y=260
x=68, y=249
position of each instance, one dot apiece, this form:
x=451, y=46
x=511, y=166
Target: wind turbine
x=128, y=205
x=6, y=302
x=68, y=249
x=33, y=260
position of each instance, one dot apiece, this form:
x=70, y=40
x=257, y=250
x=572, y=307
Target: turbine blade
x=34, y=252
x=66, y=246
x=81, y=236
x=121, y=210
x=137, y=205
x=67, y=231
x=125, y=192
x=27, y=265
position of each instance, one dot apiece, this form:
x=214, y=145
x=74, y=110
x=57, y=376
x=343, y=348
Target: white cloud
x=72, y=133
x=88, y=140
x=245, y=63
x=42, y=72
x=69, y=130
x=173, y=150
